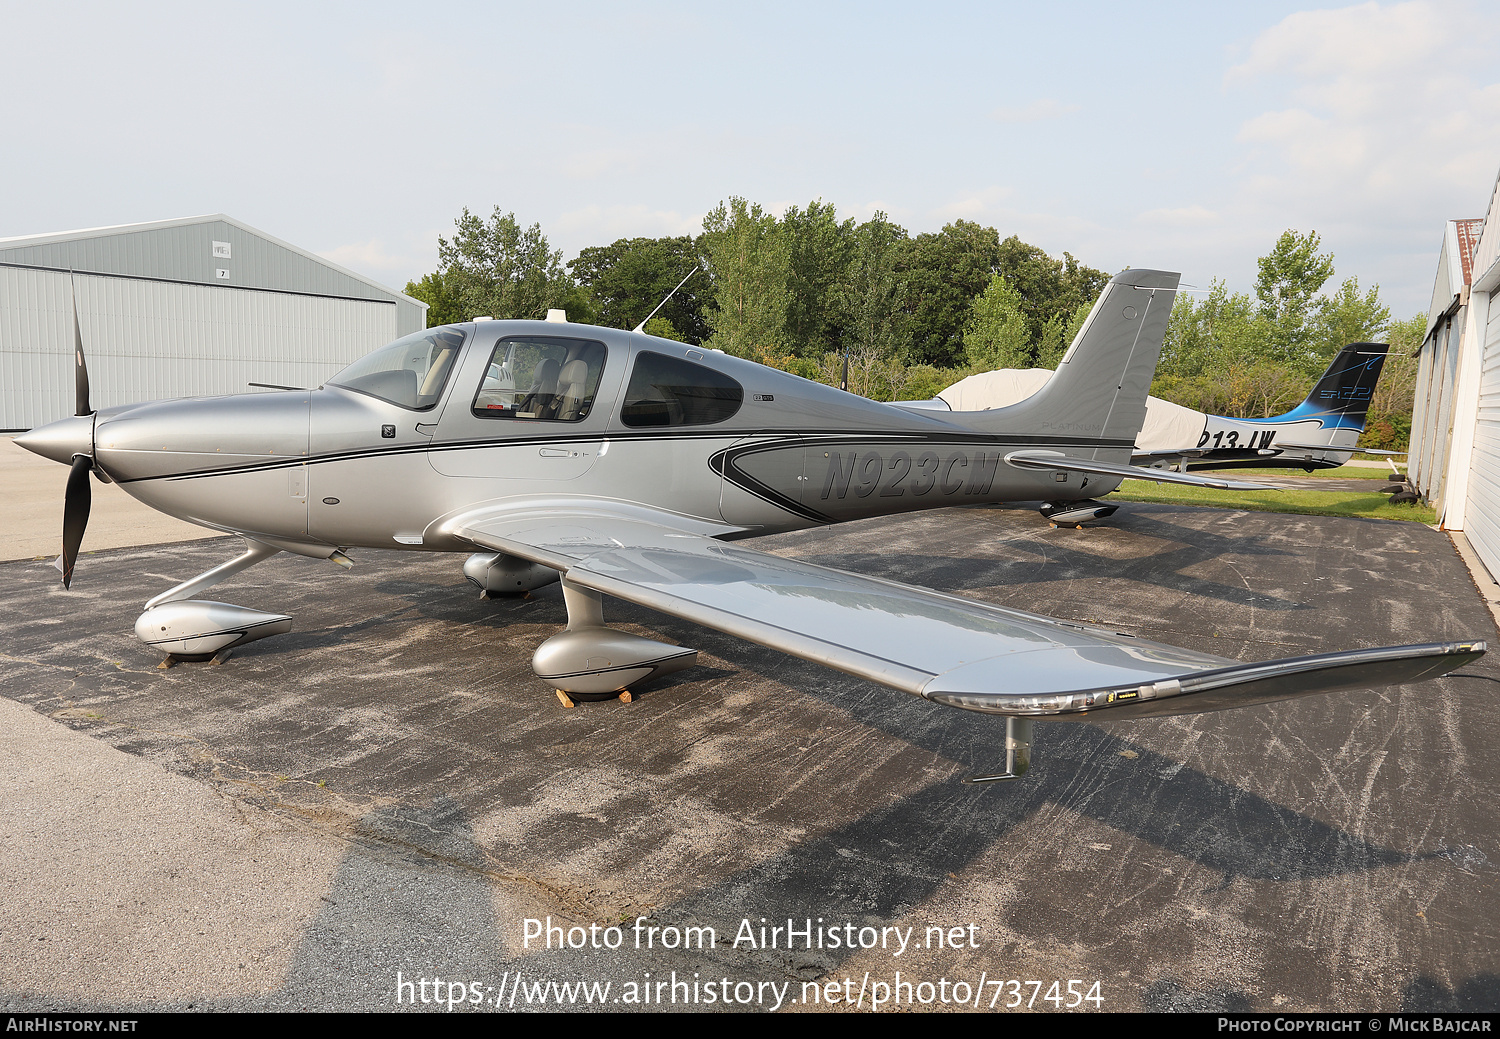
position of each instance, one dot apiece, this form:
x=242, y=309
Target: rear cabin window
x=541, y=379
x=666, y=391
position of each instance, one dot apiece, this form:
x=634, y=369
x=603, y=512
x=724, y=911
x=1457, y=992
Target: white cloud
x=1352, y=41
x=1379, y=107
x=598, y=225
x=1184, y=216
x=1038, y=110
x=982, y=205
x=392, y=264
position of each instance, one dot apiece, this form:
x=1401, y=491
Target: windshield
x=410, y=372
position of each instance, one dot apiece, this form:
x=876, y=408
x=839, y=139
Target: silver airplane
x=635, y=467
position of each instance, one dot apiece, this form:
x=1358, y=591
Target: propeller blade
x=80, y=369
x=79, y=498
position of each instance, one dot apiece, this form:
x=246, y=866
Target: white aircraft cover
x=997, y=389
x=1168, y=427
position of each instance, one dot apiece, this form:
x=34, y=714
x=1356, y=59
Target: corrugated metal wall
x=1482, y=514
x=1444, y=346
x=1476, y=427
x=151, y=340
x=1418, y=442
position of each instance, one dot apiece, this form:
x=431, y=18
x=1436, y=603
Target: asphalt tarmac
x=387, y=795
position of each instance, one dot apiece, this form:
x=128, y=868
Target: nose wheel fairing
x=185, y=628
x=194, y=629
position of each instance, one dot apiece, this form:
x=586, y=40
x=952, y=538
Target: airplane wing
x=944, y=648
x=1056, y=460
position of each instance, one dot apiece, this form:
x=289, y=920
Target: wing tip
x=1242, y=685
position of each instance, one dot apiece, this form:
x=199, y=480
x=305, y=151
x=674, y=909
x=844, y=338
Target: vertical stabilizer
x=1099, y=389
x=1342, y=396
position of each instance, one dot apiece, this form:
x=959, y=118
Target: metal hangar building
x=200, y=306
x=1455, y=431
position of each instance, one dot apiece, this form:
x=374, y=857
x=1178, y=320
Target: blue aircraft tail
x=1342, y=396
x=1319, y=433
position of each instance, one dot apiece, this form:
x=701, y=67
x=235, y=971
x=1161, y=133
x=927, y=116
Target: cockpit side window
x=666, y=391
x=546, y=378
x=411, y=372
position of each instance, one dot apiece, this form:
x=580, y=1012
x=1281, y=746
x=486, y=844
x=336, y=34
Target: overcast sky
x=1179, y=136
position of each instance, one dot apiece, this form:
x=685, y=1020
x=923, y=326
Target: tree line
x=1255, y=355
x=902, y=316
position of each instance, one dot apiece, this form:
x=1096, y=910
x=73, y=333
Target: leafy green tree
x=869, y=292
x=996, y=336
x=1075, y=324
x=819, y=249
x=943, y=273
x=750, y=262
x=1290, y=275
x=1388, y=424
x=443, y=306
x=631, y=276
x=1219, y=332
x=1050, y=348
x=1223, y=355
x=1047, y=287
x=662, y=329
x=1347, y=317
x=495, y=268
x=1226, y=355
x=1289, y=278
x=923, y=381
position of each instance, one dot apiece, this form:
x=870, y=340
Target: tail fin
x=1342, y=396
x=1099, y=389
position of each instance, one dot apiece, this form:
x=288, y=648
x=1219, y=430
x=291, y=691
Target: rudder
x=1342, y=396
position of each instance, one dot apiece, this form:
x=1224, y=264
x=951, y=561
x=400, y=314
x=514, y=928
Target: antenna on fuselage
x=668, y=296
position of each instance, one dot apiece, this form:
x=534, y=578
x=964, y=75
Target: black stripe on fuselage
x=821, y=436
x=722, y=462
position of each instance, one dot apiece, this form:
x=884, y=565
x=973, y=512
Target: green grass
x=1300, y=502
x=1343, y=472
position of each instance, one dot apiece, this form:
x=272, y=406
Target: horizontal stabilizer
x=1326, y=448
x=1056, y=460
x=1185, y=452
